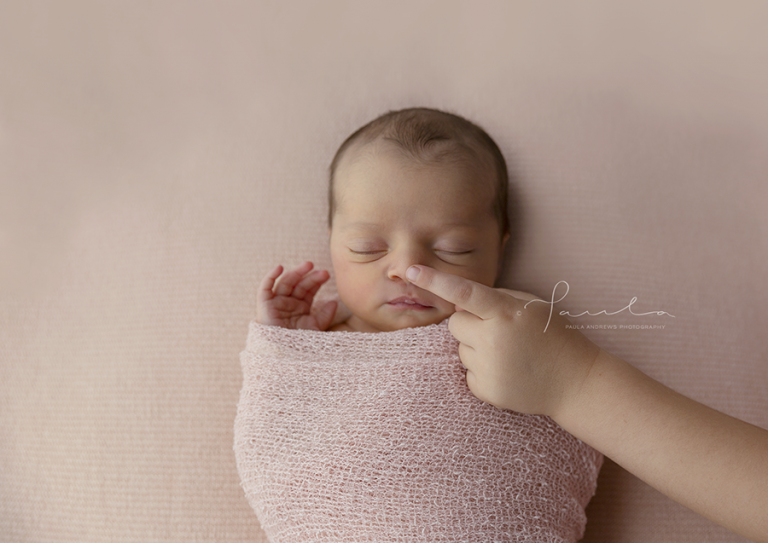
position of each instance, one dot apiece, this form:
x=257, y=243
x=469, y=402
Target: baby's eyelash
x=366, y=252
x=379, y=251
x=454, y=252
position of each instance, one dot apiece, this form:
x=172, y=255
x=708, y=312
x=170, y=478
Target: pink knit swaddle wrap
x=376, y=437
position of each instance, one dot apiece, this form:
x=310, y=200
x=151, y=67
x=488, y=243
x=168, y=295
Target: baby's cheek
x=351, y=283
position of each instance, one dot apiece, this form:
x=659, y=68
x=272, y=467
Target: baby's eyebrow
x=459, y=224
x=372, y=226
x=362, y=225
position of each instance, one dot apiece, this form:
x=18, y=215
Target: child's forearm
x=710, y=462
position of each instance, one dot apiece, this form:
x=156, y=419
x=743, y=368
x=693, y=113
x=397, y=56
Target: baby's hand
x=289, y=302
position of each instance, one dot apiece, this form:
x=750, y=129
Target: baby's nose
x=402, y=260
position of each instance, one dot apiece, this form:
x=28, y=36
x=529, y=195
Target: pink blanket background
x=157, y=158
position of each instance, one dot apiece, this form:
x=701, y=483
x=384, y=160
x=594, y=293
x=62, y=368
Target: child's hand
x=650, y=430
x=289, y=302
x=511, y=362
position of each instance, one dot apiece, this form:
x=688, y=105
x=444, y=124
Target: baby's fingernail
x=412, y=273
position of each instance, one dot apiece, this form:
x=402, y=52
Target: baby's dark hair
x=430, y=135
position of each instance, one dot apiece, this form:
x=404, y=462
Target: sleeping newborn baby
x=365, y=430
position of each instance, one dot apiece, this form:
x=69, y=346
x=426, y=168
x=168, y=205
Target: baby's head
x=415, y=186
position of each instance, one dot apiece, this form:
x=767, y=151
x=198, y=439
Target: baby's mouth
x=406, y=302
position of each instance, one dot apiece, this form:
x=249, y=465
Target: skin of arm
x=710, y=462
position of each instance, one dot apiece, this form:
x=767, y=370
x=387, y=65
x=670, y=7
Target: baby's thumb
x=325, y=314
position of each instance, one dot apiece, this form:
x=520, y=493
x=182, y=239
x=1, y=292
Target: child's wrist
x=581, y=384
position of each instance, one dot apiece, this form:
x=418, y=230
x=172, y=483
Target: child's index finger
x=473, y=297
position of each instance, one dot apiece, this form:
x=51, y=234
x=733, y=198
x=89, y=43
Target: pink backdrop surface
x=157, y=158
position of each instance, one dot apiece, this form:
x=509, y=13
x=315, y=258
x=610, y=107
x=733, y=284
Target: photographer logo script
x=628, y=307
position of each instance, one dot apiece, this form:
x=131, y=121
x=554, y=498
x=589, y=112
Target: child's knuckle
x=464, y=292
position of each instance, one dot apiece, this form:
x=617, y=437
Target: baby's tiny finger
x=288, y=282
x=311, y=283
x=266, y=285
x=325, y=314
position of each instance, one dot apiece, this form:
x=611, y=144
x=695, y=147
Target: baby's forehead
x=381, y=153
x=374, y=193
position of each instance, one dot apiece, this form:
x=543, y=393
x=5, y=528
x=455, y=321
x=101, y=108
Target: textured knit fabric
x=376, y=437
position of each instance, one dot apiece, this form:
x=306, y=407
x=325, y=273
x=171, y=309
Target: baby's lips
x=410, y=300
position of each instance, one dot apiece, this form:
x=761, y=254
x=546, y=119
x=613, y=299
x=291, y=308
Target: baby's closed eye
x=453, y=256
x=453, y=251
x=367, y=251
x=371, y=250
x=455, y=248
